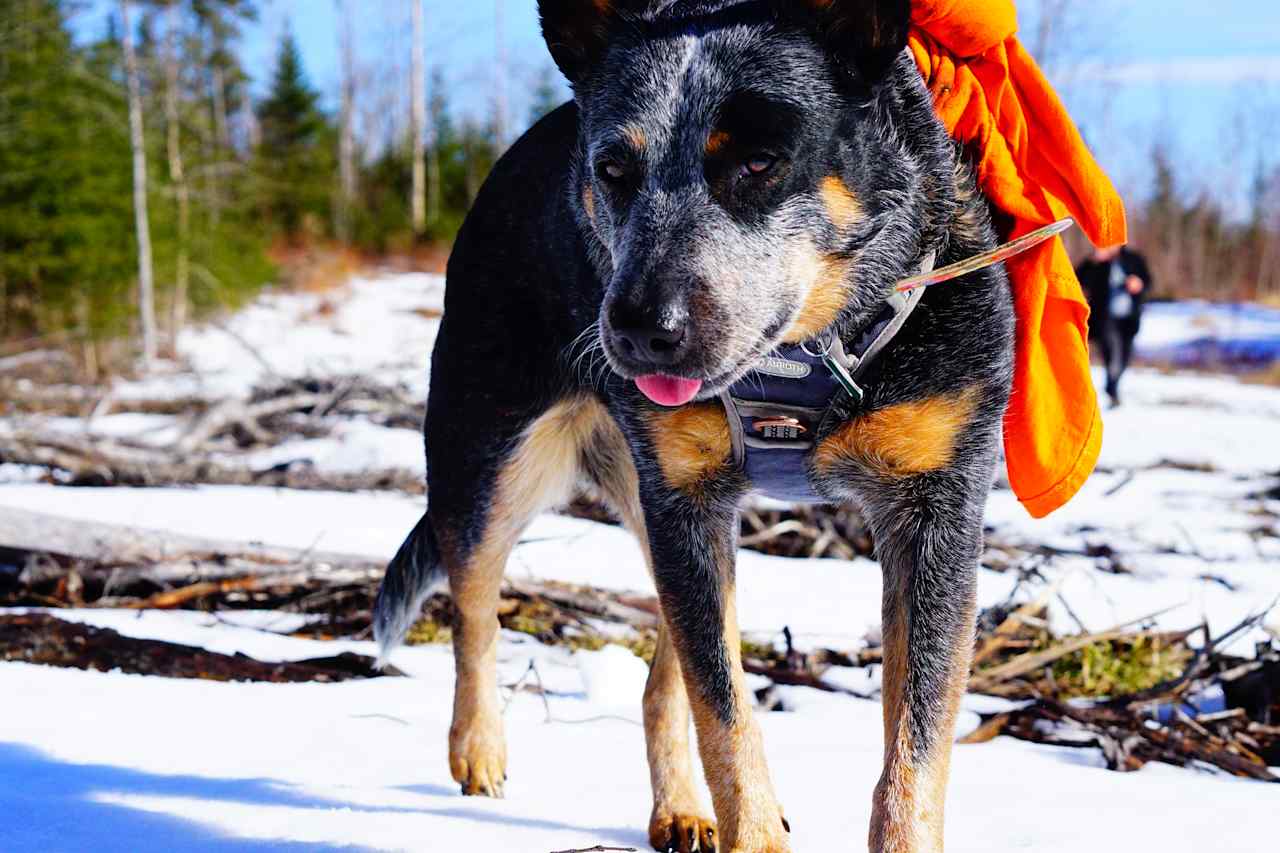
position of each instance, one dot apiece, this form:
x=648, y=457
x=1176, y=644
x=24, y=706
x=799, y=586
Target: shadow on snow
x=49, y=805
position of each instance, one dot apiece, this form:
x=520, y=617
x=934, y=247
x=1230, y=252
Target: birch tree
x=434, y=145
x=417, y=91
x=500, y=76
x=142, y=227
x=346, y=131
x=177, y=173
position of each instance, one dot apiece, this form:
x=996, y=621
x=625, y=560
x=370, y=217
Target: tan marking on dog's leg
x=842, y=206
x=827, y=295
x=678, y=819
x=908, y=806
x=540, y=473
x=903, y=439
x=747, y=811
x=692, y=443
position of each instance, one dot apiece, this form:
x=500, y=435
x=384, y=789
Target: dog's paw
x=478, y=762
x=682, y=833
x=767, y=840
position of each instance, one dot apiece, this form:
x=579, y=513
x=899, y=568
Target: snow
x=109, y=761
x=375, y=326
x=1203, y=333
x=352, y=447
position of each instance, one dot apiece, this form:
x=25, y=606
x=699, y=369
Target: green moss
x=1119, y=667
x=428, y=630
x=760, y=651
x=643, y=645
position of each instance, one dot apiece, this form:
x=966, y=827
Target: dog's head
x=748, y=173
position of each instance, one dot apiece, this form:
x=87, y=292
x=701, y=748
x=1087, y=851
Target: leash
x=986, y=259
x=775, y=410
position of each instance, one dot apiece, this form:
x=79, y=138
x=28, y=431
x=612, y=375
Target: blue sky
x=1202, y=78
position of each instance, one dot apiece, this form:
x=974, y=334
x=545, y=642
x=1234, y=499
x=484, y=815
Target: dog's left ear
x=869, y=34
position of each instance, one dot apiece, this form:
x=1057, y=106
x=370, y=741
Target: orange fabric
x=1035, y=169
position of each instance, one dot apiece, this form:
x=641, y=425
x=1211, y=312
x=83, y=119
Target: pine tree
x=68, y=259
x=294, y=157
x=66, y=236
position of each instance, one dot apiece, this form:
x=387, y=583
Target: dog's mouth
x=691, y=383
x=670, y=390
x=666, y=390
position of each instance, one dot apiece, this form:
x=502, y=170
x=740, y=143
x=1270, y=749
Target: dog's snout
x=647, y=336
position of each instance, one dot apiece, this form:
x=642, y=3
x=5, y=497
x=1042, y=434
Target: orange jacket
x=1035, y=169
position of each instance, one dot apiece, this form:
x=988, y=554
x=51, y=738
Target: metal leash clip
x=838, y=371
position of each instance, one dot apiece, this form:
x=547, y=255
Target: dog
x=730, y=178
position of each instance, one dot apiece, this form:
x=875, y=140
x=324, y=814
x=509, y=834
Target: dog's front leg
x=693, y=539
x=928, y=538
x=677, y=822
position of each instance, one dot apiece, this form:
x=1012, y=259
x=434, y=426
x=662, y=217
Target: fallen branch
x=43, y=639
x=92, y=461
x=34, y=357
x=1127, y=742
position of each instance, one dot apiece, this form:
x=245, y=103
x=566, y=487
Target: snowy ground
x=1200, y=334
x=121, y=762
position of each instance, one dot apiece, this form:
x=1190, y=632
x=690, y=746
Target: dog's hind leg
x=928, y=534
x=539, y=472
x=678, y=822
x=485, y=486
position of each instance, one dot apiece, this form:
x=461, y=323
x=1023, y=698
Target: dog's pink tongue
x=668, y=390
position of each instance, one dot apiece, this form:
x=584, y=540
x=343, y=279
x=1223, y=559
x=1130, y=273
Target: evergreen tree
x=66, y=239
x=67, y=236
x=295, y=156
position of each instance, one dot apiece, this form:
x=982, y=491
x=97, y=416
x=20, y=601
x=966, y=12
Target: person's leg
x=1112, y=355
x=1127, y=332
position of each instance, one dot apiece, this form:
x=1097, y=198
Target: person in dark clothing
x=1116, y=281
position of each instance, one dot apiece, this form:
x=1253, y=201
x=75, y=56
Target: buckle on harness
x=781, y=427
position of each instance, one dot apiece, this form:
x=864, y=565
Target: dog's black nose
x=646, y=338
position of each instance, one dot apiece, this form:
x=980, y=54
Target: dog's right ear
x=868, y=33
x=577, y=32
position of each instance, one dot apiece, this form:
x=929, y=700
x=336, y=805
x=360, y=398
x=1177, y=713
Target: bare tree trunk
x=417, y=89
x=500, y=77
x=346, y=137
x=221, y=143
x=433, y=176
x=177, y=175
x=472, y=176
x=146, y=296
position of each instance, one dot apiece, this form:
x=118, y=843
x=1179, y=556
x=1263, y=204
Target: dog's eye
x=611, y=170
x=759, y=164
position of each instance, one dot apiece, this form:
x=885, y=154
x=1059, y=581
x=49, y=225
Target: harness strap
x=902, y=304
x=774, y=412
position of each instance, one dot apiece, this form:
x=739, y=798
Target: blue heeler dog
x=723, y=208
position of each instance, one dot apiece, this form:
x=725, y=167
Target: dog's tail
x=412, y=575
